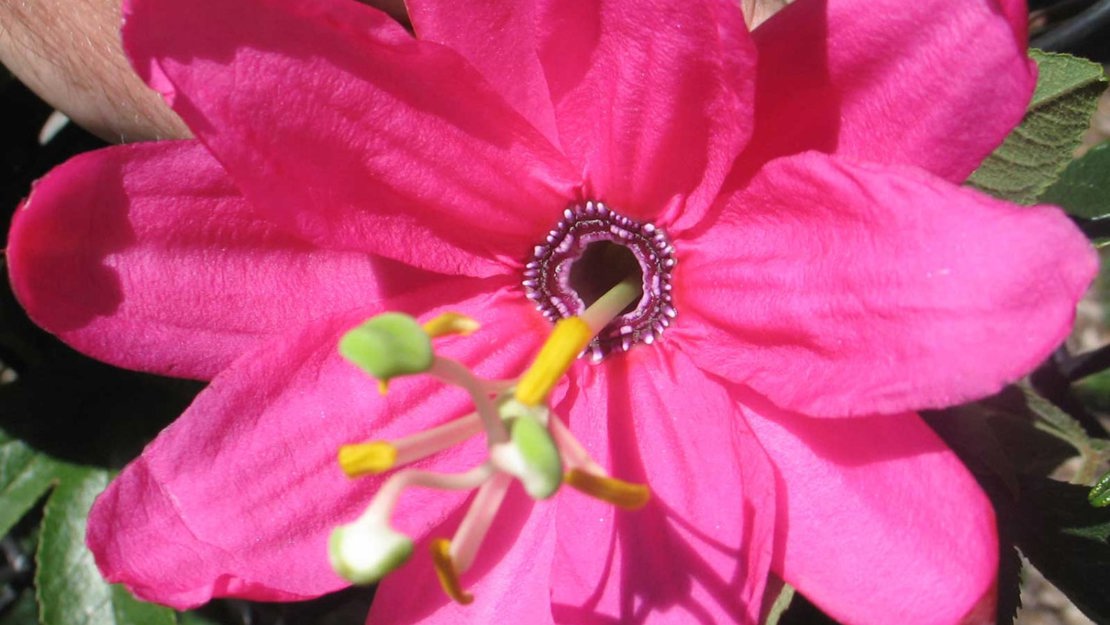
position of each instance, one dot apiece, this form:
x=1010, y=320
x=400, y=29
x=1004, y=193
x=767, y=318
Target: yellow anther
x=569, y=337
x=451, y=323
x=447, y=573
x=617, y=492
x=364, y=458
x=383, y=387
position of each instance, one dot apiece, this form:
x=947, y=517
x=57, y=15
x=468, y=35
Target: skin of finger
x=70, y=54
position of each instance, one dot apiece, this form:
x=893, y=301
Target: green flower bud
x=363, y=553
x=387, y=346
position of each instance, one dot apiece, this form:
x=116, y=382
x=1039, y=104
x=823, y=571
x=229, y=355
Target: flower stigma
x=525, y=441
x=588, y=251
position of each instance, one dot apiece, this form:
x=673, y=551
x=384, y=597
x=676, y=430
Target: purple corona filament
x=554, y=281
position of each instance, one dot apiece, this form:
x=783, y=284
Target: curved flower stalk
x=786, y=200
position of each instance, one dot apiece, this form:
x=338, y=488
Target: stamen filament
x=475, y=525
x=389, y=494
x=495, y=387
x=454, y=372
x=574, y=454
x=423, y=444
x=374, y=457
x=588, y=477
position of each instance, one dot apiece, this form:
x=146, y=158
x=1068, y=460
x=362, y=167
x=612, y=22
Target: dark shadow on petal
x=795, y=111
x=61, y=236
x=799, y=111
x=660, y=566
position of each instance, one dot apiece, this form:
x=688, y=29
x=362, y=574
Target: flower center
x=589, y=251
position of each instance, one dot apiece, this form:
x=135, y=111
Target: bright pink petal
x=652, y=99
x=238, y=496
x=849, y=289
x=879, y=521
x=335, y=121
x=883, y=81
x=145, y=256
x=500, y=39
x=510, y=578
x=700, y=551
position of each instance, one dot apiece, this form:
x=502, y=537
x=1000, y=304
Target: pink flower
x=831, y=280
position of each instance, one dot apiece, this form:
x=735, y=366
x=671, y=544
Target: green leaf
x=1034, y=154
x=1094, y=390
x=1084, y=187
x=22, y=611
x=25, y=475
x=999, y=438
x=70, y=588
x=1008, y=599
x=194, y=618
x=1067, y=540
